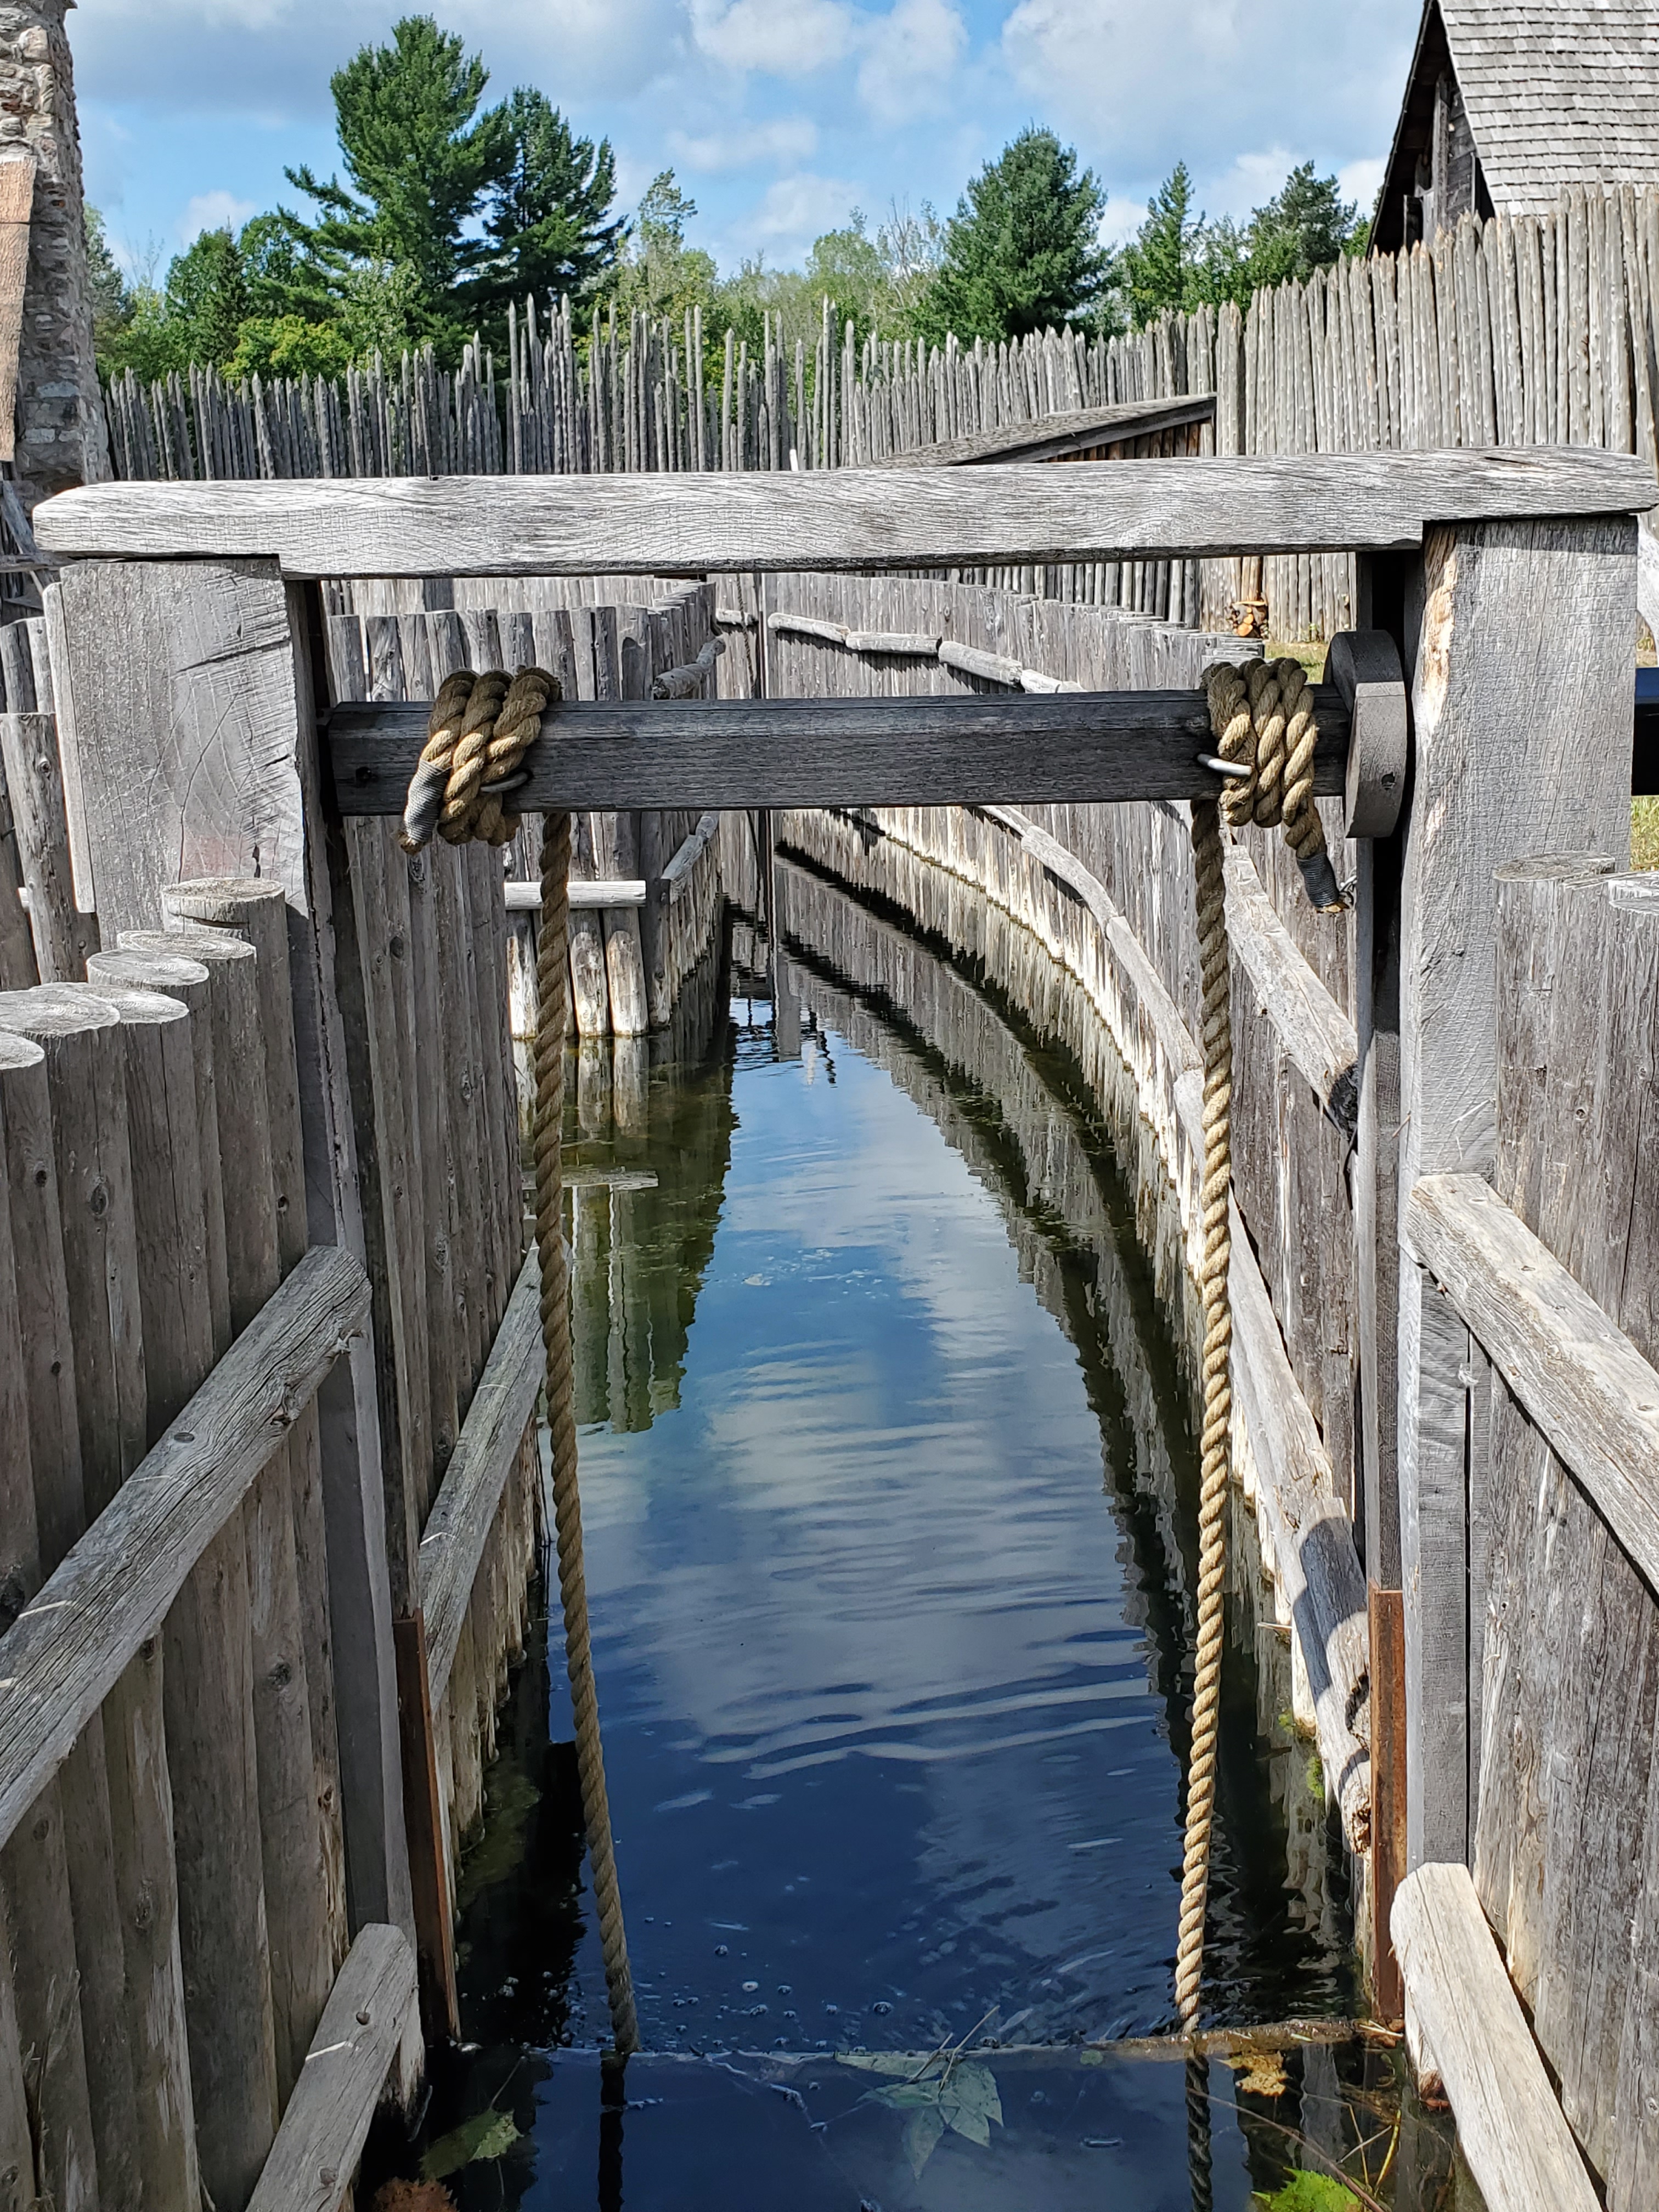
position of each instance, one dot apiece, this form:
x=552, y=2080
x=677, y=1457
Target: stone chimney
x=61, y=437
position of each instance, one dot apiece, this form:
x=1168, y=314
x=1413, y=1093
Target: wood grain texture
x=181, y=694
x=463, y=1510
x=1075, y=430
x=1312, y=1541
x=124, y=1573
x=1522, y=746
x=315, y=2155
x=1518, y=2145
x=1316, y=1035
x=62, y=936
x=1025, y=511
x=1578, y=1375
x=917, y=751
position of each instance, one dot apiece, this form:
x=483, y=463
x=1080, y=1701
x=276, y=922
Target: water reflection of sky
x=877, y=1719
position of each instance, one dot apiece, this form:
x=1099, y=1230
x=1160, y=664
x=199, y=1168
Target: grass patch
x=1312, y=657
x=1644, y=833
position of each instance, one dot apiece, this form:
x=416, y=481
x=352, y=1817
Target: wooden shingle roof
x=1557, y=92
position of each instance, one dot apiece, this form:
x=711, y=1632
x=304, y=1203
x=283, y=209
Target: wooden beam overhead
x=916, y=752
x=853, y=518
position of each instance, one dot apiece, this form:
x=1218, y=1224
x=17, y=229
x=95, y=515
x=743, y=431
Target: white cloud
x=1362, y=180
x=794, y=212
x=790, y=138
x=1152, y=79
x=909, y=56
x=215, y=210
x=779, y=37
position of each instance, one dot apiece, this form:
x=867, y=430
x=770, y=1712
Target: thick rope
x=1262, y=720
x=480, y=729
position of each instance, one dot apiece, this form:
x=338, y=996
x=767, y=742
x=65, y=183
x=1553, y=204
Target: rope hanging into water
x=480, y=729
x=1262, y=720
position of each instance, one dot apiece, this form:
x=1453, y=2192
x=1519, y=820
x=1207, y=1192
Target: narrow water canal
x=889, y=1488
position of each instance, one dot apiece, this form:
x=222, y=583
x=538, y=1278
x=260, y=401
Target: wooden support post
x=62, y=938
x=1522, y=744
x=189, y=692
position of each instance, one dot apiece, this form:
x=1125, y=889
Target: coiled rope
x=1261, y=718
x=480, y=729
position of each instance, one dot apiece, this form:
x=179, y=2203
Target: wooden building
x=1507, y=103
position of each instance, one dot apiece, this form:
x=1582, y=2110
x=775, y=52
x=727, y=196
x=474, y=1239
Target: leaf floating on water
x=1312, y=2192
x=904, y=2063
x=921, y=2137
x=1261, y=2074
x=488, y=2133
x=969, y=2102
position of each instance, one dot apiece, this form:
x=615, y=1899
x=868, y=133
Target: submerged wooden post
x=1523, y=655
x=187, y=713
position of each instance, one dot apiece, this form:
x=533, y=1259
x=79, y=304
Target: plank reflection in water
x=637, y=1270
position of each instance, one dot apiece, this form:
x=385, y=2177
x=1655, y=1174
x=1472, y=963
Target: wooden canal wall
x=1542, y=1653
x=1515, y=332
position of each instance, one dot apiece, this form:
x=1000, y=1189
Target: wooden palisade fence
x=1519, y=331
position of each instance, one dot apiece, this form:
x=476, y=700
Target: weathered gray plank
x=1519, y=2146
x=1578, y=1375
x=1025, y=512
x=909, y=751
x=315, y=2155
x=463, y=1510
x=1079, y=430
x=1316, y=1034
x=1522, y=744
x=1312, y=1541
x=62, y=938
x=181, y=692
x=113, y=1590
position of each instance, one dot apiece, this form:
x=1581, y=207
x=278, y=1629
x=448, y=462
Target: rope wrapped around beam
x=1262, y=721
x=481, y=728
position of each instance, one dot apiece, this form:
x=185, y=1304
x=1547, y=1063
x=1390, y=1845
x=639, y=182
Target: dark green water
x=889, y=1494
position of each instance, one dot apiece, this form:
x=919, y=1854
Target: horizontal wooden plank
x=831, y=519
x=1319, y=1039
x=1076, y=431
x=113, y=1589
x=463, y=1510
x=917, y=752
x=1578, y=1376
x=605, y=891
x=312, y=2162
x=1468, y=2023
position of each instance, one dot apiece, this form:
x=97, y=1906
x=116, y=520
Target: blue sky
x=778, y=116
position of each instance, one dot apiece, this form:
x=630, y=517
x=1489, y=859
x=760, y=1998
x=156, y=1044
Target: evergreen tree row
x=448, y=211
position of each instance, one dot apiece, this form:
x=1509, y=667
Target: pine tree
x=1021, y=252
x=1172, y=260
x=1305, y=227
x=547, y=220
x=421, y=159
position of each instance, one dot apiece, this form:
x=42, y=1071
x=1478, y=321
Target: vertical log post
x=1522, y=746
x=191, y=693
x=1376, y=1271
